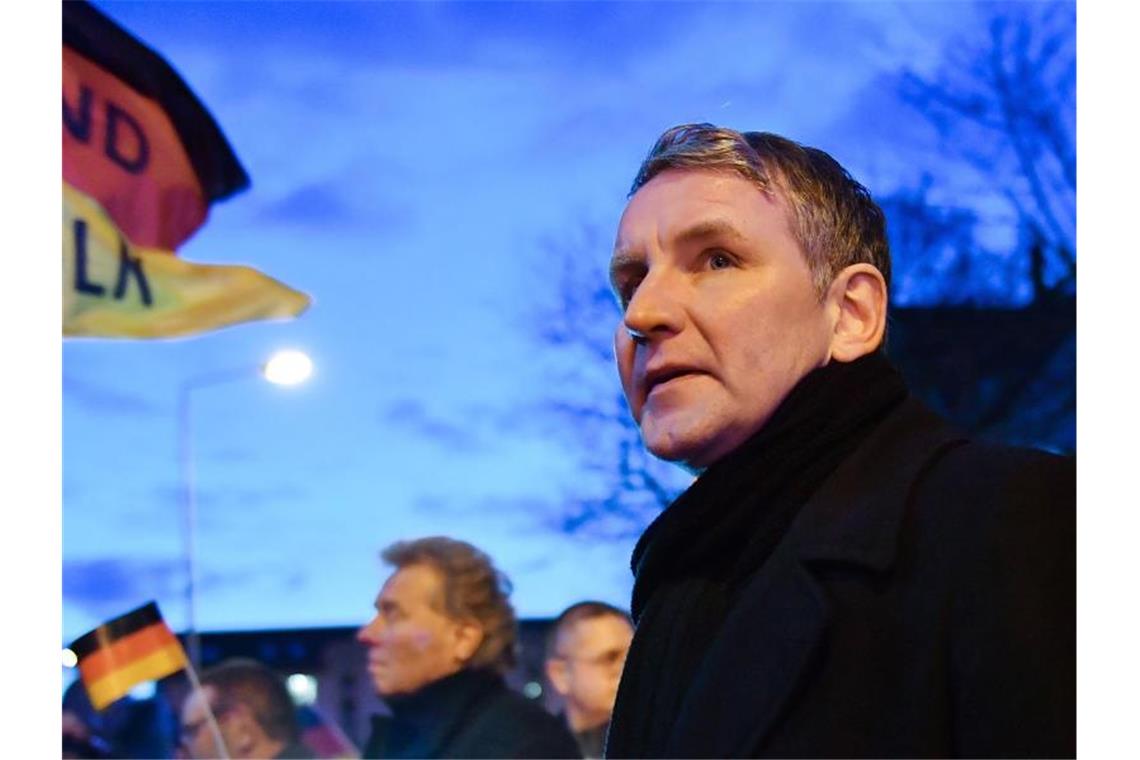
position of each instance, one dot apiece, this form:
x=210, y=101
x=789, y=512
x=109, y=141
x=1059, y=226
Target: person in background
x=443, y=635
x=79, y=741
x=585, y=653
x=254, y=711
x=130, y=727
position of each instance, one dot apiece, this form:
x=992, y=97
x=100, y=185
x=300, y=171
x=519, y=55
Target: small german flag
x=126, y=651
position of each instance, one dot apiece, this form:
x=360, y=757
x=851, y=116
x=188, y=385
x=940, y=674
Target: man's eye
x=719, y=260
x=612, y=657
x=625, y=291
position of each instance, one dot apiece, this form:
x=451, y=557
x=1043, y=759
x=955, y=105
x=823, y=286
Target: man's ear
x=858, y=300
x=557, y=675
x=468, y=636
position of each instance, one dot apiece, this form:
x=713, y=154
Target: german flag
x=146, y=160
x=126, y=651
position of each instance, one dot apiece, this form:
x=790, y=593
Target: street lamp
x=287, y=367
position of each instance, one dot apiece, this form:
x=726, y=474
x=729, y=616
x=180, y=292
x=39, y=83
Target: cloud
x=537, y=564
x=105, y=588
x=413, y=416
x=218, y=499
x=108, y=587
x=434, y=505
x=231, y=454
x=314, y=204
x=102, y=399
x=295, y=580
x=325, y=204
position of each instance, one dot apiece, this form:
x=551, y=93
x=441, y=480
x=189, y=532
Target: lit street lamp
x=288, y=367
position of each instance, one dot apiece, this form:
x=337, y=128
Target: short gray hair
x=834, y=218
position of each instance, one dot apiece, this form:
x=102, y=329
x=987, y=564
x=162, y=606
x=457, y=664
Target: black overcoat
x=921, y=604
x=471, y=714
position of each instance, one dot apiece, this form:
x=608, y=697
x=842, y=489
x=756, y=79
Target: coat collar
x=425, y=723
x=782, y=614
x=856, y=515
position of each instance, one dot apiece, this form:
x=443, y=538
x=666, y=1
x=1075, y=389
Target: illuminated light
x=144, y=690
x=303, y=688
x=69, y=658
x=288, y=367
x=532, y=690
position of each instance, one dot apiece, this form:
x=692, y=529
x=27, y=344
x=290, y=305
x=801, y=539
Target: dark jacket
x=295, y=751
x=471, y=714
x=592, y=741
x=922, y=603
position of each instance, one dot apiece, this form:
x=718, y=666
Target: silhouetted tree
x=623, y=486
x=1004, y=104
x=1003, y=107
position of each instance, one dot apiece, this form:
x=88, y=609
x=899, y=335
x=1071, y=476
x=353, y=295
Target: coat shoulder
x=982, y=488
x=512, y=726
x=1002, y=523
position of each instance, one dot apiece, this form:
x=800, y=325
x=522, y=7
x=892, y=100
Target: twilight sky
x=415, y=167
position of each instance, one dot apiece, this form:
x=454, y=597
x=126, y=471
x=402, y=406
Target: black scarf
x=425, y=722
x=691, y=562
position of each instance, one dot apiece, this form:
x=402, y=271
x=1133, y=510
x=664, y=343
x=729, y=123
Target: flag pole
x=211, y=721
x=190, y=518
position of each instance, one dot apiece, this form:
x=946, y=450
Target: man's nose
x=656, y=308
x=369, y=632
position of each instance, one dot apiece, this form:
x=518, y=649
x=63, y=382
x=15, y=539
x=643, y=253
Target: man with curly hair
x=443, y=635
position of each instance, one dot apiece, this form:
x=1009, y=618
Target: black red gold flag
x=126, y=651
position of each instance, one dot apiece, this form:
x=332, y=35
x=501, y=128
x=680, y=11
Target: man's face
x=197, y=739
x=410, y=641
x=589, y=656
x=720, y=297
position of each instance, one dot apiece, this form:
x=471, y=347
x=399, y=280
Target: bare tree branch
x=1005, y=107
x=579, y=320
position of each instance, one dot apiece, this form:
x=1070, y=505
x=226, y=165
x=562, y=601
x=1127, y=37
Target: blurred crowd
x=438, y=649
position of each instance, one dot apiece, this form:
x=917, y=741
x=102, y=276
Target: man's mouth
x=662, y=377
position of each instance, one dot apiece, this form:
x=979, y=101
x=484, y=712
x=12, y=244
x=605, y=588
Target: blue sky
x=410, y=163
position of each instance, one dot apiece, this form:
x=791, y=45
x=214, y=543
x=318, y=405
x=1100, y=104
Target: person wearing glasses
x=585, y=653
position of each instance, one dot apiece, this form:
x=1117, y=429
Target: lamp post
x=287, y=367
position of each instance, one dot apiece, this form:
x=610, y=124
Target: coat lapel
x=754, y=664
x=780, y=620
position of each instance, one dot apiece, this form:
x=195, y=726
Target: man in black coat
x=443, y=635
x=848, y=576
